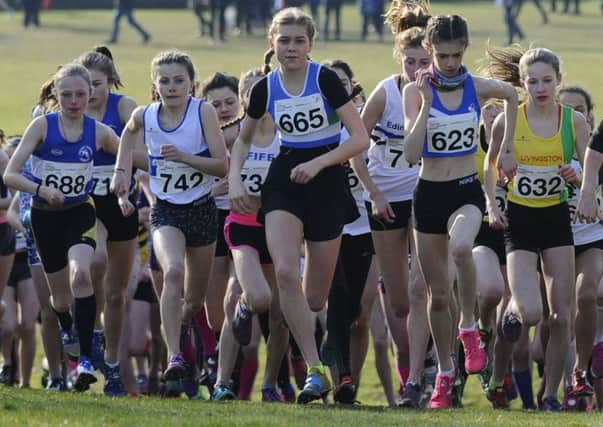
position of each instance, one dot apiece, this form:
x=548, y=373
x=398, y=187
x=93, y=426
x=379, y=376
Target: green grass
x=27, y=58
x=37, y=407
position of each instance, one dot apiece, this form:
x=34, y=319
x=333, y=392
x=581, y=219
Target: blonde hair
x=172, y=57
x=510, y=64
x=288, y=16
x=72, y=70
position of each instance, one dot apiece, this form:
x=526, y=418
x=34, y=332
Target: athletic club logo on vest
x=85, y=154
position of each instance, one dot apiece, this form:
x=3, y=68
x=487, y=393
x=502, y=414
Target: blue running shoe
x=114, y=387
x=71, y=342
x=98, y=350
x=223, y=392
x=85, y=375
x=317, y=386
x=551, y=404
x=142, y=384
x=271, y=394
x=288, y=393
x=176, y=368
x=242, y=324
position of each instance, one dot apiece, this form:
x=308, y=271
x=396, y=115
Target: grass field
x=27, y=58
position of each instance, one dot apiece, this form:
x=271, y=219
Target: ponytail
x=267, y=58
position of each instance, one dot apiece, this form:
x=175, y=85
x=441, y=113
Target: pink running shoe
x=441, y=396
x=596, y=367
x=476, y=358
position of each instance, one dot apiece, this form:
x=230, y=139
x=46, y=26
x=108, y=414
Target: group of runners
x=446, y=213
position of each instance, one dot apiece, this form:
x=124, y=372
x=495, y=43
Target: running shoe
x=190, y=388
x=242, y=324
x=114, y=387
x=411, y=398
x=223, y=392
x=476, y=358
x=142, y=384
x=176, y=368
x=317, y=386
x=441, y=396
x=581, y=386
x=511, y=326
x=597, y=361
x=288, y=393
x=85, y=375
x=498, y=397
x=509, y=386
x=56, y=384
x=570, y=402
x=551, y=404
x=270, y=394
x=6, y=375
x=71, y=342
x=172, y=388
x=190, y=383
x=98, y=350
x=345, y=392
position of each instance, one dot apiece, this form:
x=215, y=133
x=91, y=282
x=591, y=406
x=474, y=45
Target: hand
x=568, y=173
x=52, y=196
x=506, y=164
x=304, y=172
x=588, y=210
x=126, y=206
x=171, y=153
x=382, y=210
x=496, y=218
x=239, y=199
x=220, y=187
x=119, y=184
x=423, y=77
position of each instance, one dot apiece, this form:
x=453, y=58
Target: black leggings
x=352, y=270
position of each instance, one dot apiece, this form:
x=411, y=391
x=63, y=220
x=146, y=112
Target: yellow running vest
x=537, y=183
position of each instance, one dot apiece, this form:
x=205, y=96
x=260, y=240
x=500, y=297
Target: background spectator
x=126, y=8
x=372, y=13
x=31, y=12
x=333, y=7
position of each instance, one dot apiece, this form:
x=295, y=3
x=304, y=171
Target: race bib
x=177, y=177
x=101, y=179
x=394, y=154
x=452, y=134
x=253, y=175
x=501, y=198
x=354, y=183
x=300, y=116
x=537, y=182
x=69, y=178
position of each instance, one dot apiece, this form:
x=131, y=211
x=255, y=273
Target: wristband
x=38, y=189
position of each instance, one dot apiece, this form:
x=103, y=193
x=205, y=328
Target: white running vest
x=387, y=166
x=176, y=182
